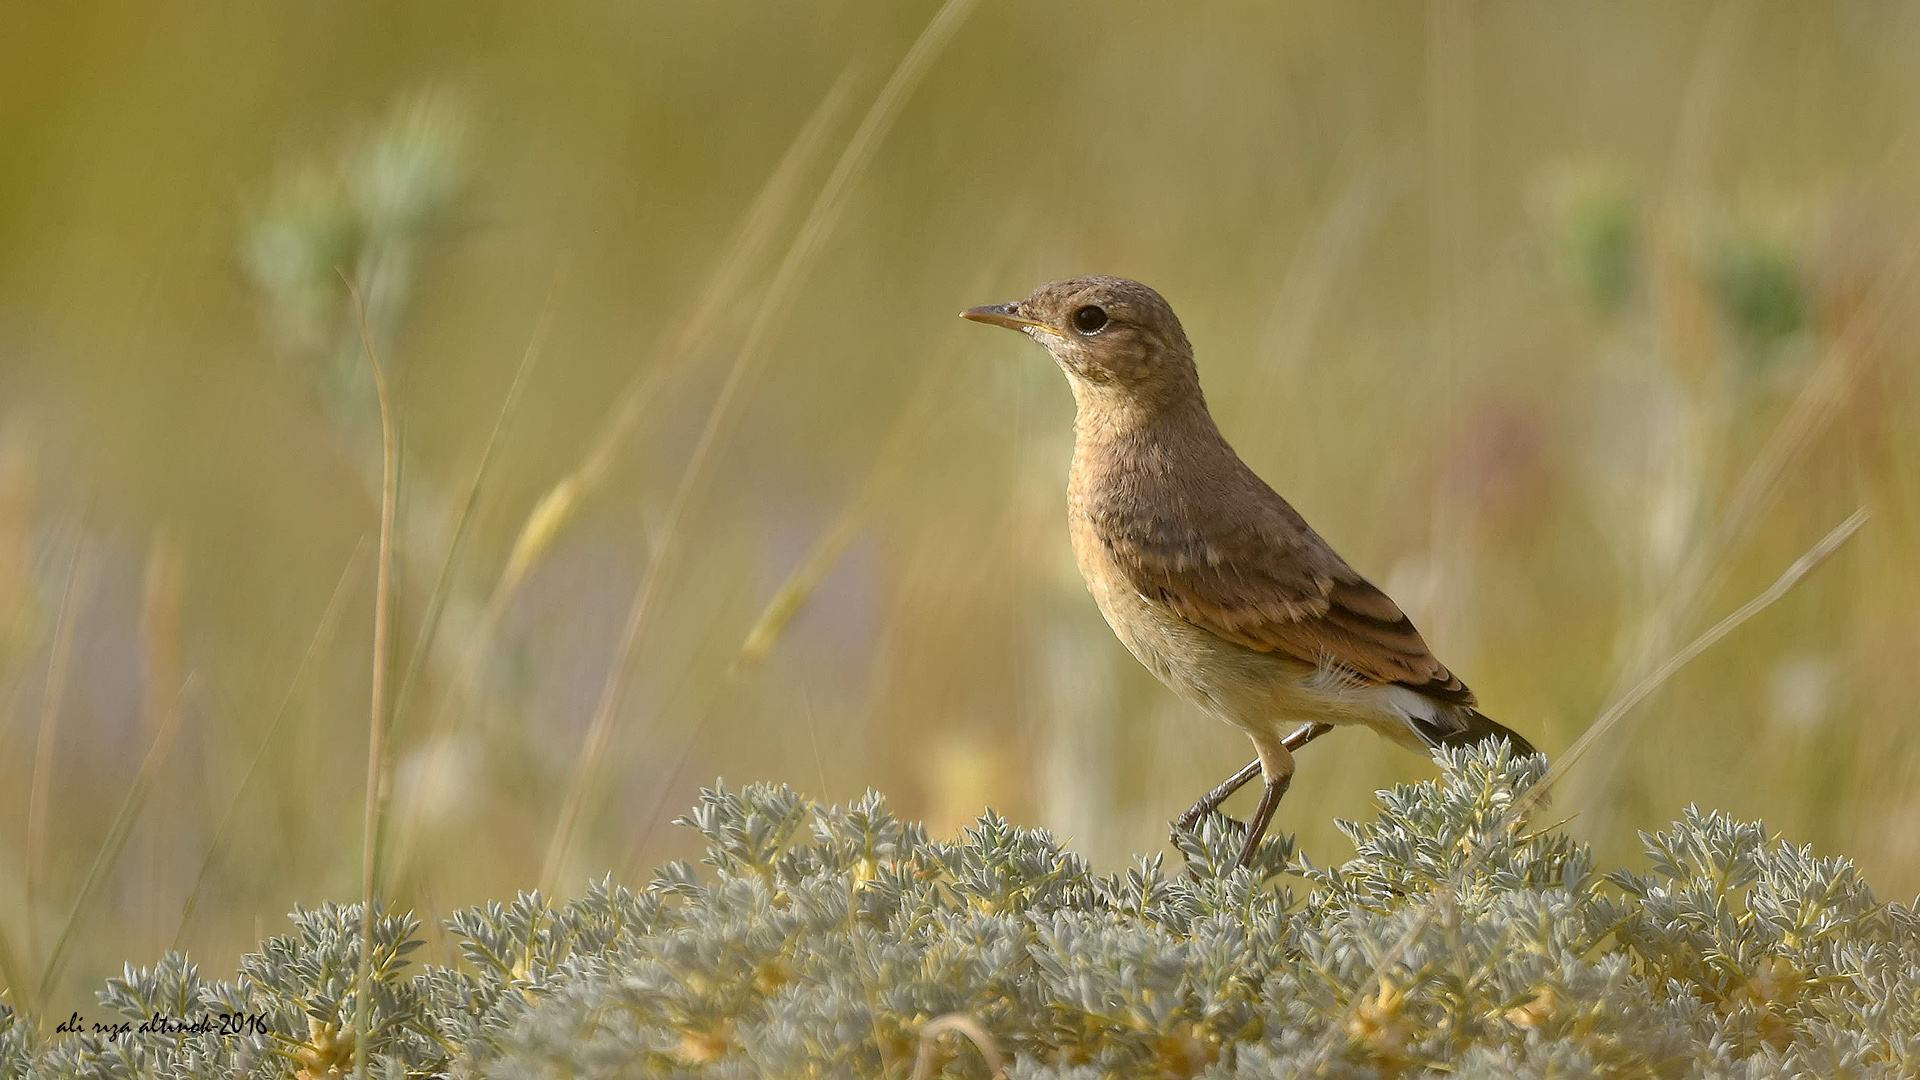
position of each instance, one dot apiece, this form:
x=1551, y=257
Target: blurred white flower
x=438, y=781
x=1800, y=691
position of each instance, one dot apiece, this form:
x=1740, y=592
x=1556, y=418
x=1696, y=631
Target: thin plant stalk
x=53, y=697
x=437, y=599
x=1682, y=313
x=18, y=986
x=162, y=673
x=976, y=1033
x=778, y=613
x=743, y=251
x=1819, y=401
x=680, y=345
x=683, y=341
x=1814, y=408
x=376, y=725
x=800, y=257
x=436, y=602
x=889, y=462
x=1299, y=305
x=1656, y=678
x=1456, y=334
x=105, y=859
x=329, y=619
x=1609, y=719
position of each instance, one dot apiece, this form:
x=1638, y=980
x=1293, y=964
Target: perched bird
x=1209, y=578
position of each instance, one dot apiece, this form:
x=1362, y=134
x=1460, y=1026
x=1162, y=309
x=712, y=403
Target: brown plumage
x=1207, y=575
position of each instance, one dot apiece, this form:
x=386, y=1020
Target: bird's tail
x=1479, y=729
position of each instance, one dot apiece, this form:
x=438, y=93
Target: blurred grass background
x=1569, y=324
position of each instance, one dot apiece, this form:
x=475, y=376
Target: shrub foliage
x=823, y=941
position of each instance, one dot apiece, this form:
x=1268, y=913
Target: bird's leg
x=1211, y=801
x=1269, y=799
x=1305, y=734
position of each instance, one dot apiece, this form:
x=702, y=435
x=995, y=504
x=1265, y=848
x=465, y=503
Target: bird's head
x=1104, y=332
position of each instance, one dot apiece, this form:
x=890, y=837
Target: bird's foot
x=1211, y=800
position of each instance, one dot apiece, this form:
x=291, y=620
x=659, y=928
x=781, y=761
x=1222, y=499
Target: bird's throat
x=1123, y=442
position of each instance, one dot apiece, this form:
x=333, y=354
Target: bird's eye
x=1089, y=319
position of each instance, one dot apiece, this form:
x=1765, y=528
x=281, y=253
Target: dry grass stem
x=807, y=244
x=437, y=599
x=58, y=661
x=966, y=1025
x=1614, y=713
x=1815, y=406
x=322, y=633
x=683, y=342
x=1608, y=719
x=377, y=721
x=108, y=855
x=557, y=507
x=1819, y=402
x=890, y=463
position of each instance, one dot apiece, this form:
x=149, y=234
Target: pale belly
x=1263, y=694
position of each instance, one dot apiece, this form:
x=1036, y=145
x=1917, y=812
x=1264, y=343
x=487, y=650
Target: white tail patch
x=1422, y=713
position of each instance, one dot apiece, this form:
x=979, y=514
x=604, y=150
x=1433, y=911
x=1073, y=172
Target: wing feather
x=1265, y=580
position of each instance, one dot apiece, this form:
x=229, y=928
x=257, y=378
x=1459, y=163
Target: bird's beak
x=1006, y=315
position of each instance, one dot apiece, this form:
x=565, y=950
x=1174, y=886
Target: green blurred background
x=1571, y=325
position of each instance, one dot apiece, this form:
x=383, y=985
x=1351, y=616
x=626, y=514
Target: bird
x=1208, y=577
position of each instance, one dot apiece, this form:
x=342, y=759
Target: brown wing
x=1259, y=576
